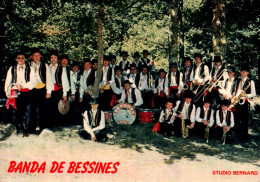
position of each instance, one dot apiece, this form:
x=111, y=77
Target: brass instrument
x=207, y=134
x=224, y=137
x=185, y=86
x=151, y=82
x=215, y=83
x=184, y=129
x=235, y=100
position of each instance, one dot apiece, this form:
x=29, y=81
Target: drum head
x=62, y=108
x=124, y=114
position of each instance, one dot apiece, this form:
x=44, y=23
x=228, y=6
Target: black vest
x=147, y=63
x=126, y=67
x=26, y=73
x=248, y=81
x=91, y=78
x=109, y=74
x=233, y=86
x=188, y=76
x=201, y=75
x=202, y=113
x=42, y=71
x=228, y=116
x=180, y=107
x=177, y=77
x=97, y=118
x=219, y=73
x=157, y=83
x=133, y=96
x=169, y=117
x=117, y=82
x=58, y=75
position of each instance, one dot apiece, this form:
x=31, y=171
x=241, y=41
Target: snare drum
x=145, y=115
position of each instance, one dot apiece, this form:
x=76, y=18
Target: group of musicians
x=193, y=98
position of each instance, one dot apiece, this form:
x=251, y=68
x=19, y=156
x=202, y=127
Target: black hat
x=127, y=82
x=188, y=94
x=170, y=100
x=187, y=58
x=136, y=54
x=53, y=52
x=207, y=99
x=217, y=59
x=94, y=61
x=64, y=56
x=231, y=68
x=36, y=50
x=75, y=63
x=144, y=66
x=107, y=58
x=145, y=51
x=132, y=65
x=118, y=68
x=225, y=102
x=19, y=53
x=244, y=68
x=124, y=53
x=87, y=60
x=197, y=55
x=113, y=57
x=161, y=70
x=94, y=101
x=173, y=65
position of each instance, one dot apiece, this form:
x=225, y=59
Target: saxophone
x=224, y=137
x=207, y=134
x=235, y=100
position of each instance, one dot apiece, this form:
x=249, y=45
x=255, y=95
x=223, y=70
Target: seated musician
x=166, y=122
x=224, y=121
x=204, y=118
x=19, y=82
x=117, y=86
x=184, y=110
x=131, y=95
x=160, y=90
x=187, y=78
x=124, y=64
x=218, y=75
x=245, y=89
x=175, y=82
x=145, y=85
x=87, y=80
x=107, y=78
x=200, y=75
x=94, y=123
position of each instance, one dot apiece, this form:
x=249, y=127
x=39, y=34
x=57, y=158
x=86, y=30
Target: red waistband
x=174, y=87
x=56, y=87
x=215, y=88
x=189, y=83
x=25, y=90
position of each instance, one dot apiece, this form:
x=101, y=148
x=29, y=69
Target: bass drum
x=124, y=113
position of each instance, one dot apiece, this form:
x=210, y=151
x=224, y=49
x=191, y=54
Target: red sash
x=56, y=87
x=25, y=90
x=113, y=100
x=11, y=101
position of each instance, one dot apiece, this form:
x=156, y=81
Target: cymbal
x=63, y=109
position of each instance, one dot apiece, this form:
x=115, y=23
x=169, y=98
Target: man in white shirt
x=117, y=86
x=94, y=123
x=160, y=90
x=131, y=95
x=137, y=61
x=187, y=76
x=19, y=82
x=246, y=85
x=41, y=93
x=184, y=110
x=133, y=77
x=147, y=61
x=124, y=64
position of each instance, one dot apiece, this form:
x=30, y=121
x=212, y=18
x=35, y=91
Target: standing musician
x=147, y=61
x=41, y=92
x=124, y=64
x=200, y=74
x=131, y=95
x=137, y=61
x=87, y=80
x=175, y=82
x=160, y=90
x=166, y=119
x=218, y=75
x=187, y=76
x=94, y=64
x=117, y=86
x=184, y=111
x=113, y=61
x=204, y=118
x=245, y=90
x=107, y=78
x=224, y=121
x=20, y=77
x=94, y=123
x=145, y=85
x=133, y=77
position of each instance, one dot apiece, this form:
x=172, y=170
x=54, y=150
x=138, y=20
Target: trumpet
x=207, y=134
x=224, y=137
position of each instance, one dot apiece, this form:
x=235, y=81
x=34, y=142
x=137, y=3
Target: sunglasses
x=20, y=57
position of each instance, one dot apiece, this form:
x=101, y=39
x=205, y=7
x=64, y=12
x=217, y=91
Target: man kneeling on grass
x=93, y=123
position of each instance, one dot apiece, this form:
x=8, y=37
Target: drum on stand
x=124, y=113
x=145, y=115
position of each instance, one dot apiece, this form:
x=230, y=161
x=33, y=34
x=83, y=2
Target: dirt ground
x=146, y=162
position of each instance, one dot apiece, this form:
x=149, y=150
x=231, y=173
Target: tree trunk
x=181, y=33
x=173, y=31
x=100, y=52
x=219, y=26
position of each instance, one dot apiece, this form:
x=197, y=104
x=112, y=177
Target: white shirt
x=124, y=72
x=228, y=90
x=87, y=123
x=252, y=85
x=49, y=81
x=197, y=72
x=104, y=79
x=20, y=79
x=143, y=82
x=53, y=69
x=65, y=81
x=160, y=86
x=223, y=123
x=161, y=118
x=139, y=100
x=186, y=72
x=115, y=89
x=83, y=82
x=185, y=111
x=199, y=119
x=132, y=78
x=173, y=81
